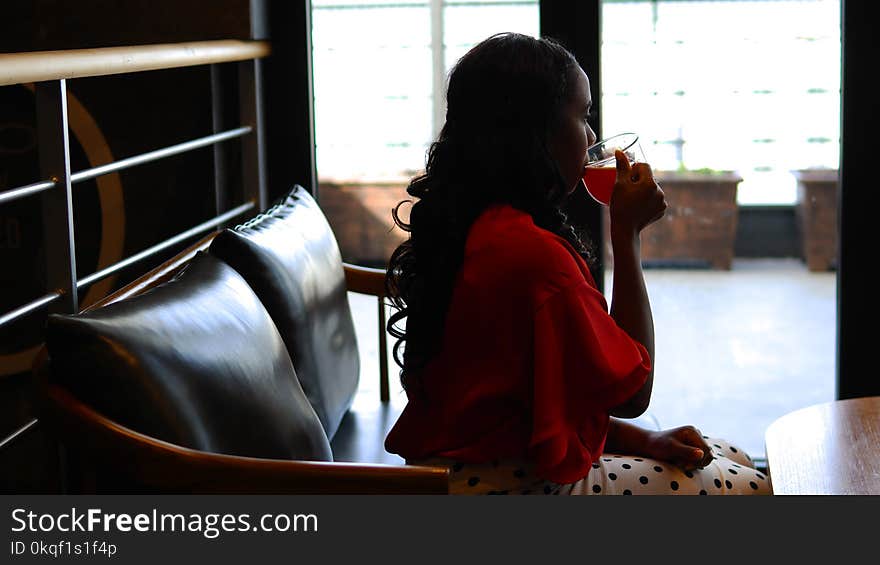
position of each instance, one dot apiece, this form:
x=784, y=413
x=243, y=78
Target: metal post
x=290, y=100
x=577, y=25
x=384, y=389
x=218, y=120
x=856, y=205
x=54, y=147
x=250, y=80
x=438, y=67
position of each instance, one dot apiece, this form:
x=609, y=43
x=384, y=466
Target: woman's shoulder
x=504, y=226
x=507, y=240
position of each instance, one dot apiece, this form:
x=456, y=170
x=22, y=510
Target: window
x=379, y=78
x=751, y=87
x=748, y=86
x=687, y=76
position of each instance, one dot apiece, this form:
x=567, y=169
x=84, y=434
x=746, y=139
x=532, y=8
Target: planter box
x=698, y=230
x=816, y=213
x=699, y=227
x=360, y=215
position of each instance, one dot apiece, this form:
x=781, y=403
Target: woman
x=512, y=363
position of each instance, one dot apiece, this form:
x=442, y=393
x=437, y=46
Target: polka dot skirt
x=731, y=472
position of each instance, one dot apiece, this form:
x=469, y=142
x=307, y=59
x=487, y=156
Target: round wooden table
x=831, y=448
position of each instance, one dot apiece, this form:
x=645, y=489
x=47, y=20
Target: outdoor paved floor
x=734, y=349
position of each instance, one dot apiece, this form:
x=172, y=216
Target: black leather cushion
x=196, y=361
x=290, y=257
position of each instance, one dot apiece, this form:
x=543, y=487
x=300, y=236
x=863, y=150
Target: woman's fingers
x=690, y=450
x=694, y=438
x=641, y=171
x=684, y=447
x=637, y=199
x=623, y=166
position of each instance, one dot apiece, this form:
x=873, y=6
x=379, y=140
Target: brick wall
x=699, y=228
x=360, y=215
x=816, y=212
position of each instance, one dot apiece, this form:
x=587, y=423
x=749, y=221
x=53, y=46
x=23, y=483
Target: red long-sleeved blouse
x=531, y=362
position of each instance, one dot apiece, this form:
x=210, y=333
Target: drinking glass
x=600, y=171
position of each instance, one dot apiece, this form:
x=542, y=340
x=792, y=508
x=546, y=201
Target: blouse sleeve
x=585, y=365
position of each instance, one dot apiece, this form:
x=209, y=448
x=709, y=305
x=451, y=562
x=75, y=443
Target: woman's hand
x=637, y=201
x=683, y=447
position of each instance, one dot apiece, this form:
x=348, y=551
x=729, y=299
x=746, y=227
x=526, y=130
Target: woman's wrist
x=629, y=439
x=621, y=233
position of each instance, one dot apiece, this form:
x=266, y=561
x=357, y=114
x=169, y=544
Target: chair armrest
x=172, y=468
x=364, y=279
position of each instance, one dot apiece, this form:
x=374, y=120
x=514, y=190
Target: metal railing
x=50, y=70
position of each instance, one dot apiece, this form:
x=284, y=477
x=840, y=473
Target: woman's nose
x=591, y=136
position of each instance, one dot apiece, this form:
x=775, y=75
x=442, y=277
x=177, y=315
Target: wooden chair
x=106, y=456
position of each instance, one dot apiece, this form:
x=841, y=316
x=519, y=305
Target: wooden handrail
x=19, y=68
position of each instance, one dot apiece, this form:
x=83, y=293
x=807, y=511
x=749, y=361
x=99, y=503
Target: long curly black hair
x=504, y=101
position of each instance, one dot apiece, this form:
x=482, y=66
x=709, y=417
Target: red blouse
x=531, y=362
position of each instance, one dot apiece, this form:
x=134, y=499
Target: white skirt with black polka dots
x=731, y=472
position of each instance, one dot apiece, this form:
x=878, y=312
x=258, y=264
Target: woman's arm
x=684, y=446
x=636, y=202
x=631, y=310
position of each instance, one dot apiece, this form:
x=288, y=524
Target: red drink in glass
x=600, y=182
x=601, y=168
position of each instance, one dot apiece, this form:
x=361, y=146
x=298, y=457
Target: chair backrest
x=196, y=362
x=291, y=259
